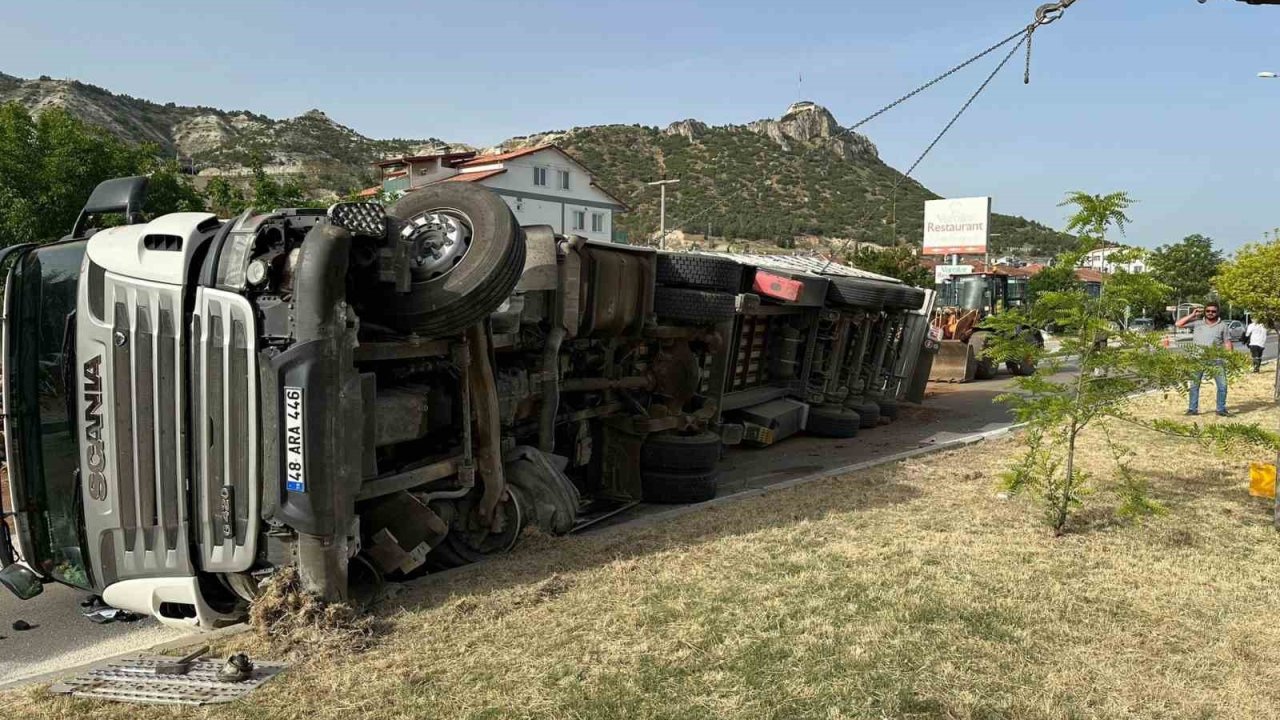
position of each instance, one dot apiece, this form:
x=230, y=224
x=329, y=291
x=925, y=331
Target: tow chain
x=1046, y=14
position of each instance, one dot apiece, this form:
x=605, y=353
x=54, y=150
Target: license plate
x=295, y=456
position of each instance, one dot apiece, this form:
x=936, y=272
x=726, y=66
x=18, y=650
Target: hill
x=218, y=142
x=802, y=174
x=769, y=180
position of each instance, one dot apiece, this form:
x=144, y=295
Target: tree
x=1187, y=267
x=1252, y=280
x=49, y=165
x=1053, y=278
x=1058, y=412
x=1095, y=213
x=896, y=262
x=224, y=198
x=263, y=192
x=269, y=193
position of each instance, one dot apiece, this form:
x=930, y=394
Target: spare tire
x=699, y=271
x=474, y=259
x=694, y=306
x=858, y=292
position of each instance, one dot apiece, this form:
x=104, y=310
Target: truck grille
x=134, y=327
x=224, y=408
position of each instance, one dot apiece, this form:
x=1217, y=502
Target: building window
x=540, y=176
x=563, y=179
x=597, y=222
x=579, y=220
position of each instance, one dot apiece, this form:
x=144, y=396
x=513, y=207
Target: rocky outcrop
x=810, y=123
x=689, y=128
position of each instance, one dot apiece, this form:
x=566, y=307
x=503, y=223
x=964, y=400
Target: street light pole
x=662, y=212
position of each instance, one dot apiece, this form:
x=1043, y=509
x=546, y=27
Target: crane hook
x=1051, y=12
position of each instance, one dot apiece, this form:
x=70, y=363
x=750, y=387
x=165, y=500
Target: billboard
x=959, y=226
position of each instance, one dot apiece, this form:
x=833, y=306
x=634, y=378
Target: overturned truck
x=192, y=403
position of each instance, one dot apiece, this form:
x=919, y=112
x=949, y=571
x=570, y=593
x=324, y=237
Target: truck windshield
x=41, y=295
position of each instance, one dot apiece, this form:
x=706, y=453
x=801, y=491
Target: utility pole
x=662, y=212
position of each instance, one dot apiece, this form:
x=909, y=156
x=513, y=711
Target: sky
x=1155, y=97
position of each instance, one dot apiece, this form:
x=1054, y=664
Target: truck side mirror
x=124, y=195
x=21, y=581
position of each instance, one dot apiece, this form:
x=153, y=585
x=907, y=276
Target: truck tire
x=868, y=410
x=693, y=306
x=676, y=453
x=904, y=297
x=888, y=407
x=986, y=368
x=858, y=292
x=832, y=422
x=703, y=272
x=678, y=488
x=1027, y=367
x=474, y=280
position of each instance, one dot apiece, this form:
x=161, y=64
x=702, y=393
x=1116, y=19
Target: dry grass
x=296, y=624
x=910, y=591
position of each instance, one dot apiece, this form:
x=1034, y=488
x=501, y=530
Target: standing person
x=1208, y=330
x=1255, y=336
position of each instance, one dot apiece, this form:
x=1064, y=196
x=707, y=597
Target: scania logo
x=93, y=428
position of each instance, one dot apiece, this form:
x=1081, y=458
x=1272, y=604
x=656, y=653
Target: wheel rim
x=473, y=541
x=442, y=238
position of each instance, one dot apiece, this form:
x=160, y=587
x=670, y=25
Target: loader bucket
x=955, y=362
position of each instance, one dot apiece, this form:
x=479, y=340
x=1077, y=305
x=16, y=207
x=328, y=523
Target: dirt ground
x=913, y=590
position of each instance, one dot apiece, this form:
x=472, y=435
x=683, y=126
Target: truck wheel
x=986, y=367
x=693, y=306
x=675, y=488
x=674, y=452
x=473, y=256
x=858, y=292
x=699, y=271
x=903, y=297
x=888, y=407
x=867, y=410
x=832, y=422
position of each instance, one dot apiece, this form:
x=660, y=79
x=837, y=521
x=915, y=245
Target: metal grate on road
x=134, y=681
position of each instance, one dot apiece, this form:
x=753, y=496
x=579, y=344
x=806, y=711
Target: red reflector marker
x=776, y=286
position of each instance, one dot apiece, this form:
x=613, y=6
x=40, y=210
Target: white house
x=1100, y=260
x=543, y=186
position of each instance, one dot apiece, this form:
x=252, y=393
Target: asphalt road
x=64, y=638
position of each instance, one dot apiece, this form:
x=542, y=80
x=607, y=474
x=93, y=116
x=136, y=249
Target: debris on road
x=237, y=668
x=23, y=625
x=182, y=666
x=107, y=615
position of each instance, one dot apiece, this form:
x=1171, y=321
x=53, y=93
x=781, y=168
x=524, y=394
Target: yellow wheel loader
x=965, y=302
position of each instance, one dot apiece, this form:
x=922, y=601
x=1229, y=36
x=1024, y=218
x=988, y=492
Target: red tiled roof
x=370, y=191
x=1091, y=275
x=502, y=157
x=471, y=177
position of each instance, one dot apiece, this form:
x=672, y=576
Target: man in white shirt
x=1255, y=336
